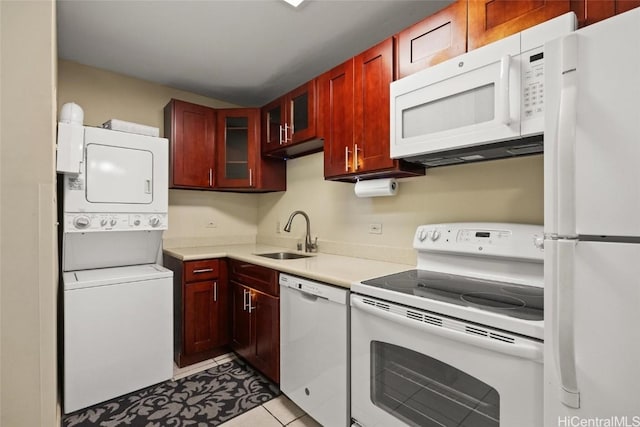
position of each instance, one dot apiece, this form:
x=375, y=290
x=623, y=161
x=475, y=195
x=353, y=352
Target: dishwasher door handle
x=308, y=295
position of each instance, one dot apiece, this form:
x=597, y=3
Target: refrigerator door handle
x=566, y=139
x=563, y=335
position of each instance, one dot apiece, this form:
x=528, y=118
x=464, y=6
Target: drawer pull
x=203, y=270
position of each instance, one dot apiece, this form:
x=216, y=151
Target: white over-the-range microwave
x=485, y=104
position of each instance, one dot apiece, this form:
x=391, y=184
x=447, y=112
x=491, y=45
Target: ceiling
x=246, y=52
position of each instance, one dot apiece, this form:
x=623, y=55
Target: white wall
x=28, y=259
x=508, y=190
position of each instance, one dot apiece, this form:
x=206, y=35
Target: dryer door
x=119, y=174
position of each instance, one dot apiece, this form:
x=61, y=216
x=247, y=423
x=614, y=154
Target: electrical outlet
x=211, y=224
x=278, y=226
x=375, y=228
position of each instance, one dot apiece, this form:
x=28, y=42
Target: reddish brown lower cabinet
x=241, y=320
x=201, y=309
x=255, y=308
x=492, y=20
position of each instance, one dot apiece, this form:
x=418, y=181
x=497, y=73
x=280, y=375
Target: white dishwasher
x=314, y=334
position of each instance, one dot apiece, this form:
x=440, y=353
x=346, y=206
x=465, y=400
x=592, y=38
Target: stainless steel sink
x=284, y=255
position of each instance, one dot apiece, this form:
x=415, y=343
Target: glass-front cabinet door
x=237, y=131
x=273, y=122
x=301, y=109
x=290, y=119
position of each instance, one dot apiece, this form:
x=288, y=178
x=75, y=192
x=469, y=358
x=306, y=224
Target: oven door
x=121, y=172
x=412, y=367
x=469, y=100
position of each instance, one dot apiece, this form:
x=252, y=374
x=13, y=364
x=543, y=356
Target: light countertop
x=333, y=269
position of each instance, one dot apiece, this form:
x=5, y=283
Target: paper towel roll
x=376, y=187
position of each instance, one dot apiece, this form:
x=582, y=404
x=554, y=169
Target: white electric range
x=457, y=341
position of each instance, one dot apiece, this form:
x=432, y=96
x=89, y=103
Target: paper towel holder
x=376, y=187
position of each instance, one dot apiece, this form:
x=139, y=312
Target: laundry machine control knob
x=154, y=221
x=82, y=222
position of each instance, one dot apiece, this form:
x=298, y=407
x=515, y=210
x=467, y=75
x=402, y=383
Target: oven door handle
x=524, y=350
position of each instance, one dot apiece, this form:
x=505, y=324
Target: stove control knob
x=103, y=222
x=136, y=222
x=422, y=234
x=154, y=221
x=82, y=222
x=113, y=222
x=435, y=235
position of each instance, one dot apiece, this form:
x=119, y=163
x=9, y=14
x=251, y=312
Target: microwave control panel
x=532, y=84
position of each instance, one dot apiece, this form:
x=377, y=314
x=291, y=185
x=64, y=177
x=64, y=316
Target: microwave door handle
x=563, y=332
x=505, y=65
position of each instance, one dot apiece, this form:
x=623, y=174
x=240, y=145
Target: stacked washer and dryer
x=118, y=315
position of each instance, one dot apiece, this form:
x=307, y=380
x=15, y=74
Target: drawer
x=201, y=270
x=255, y=276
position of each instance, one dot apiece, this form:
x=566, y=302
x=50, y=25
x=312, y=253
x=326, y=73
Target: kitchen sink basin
x=284, y=255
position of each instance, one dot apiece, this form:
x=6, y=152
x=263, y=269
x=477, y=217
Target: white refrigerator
x=592, y=225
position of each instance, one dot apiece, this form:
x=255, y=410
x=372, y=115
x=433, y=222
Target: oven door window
x=422, y=391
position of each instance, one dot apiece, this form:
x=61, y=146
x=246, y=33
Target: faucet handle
x=299, y=246
x=313, y=247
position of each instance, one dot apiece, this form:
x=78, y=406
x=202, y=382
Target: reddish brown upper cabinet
x=201, y=309
x=592, y=11
x=336, y=116
x=239, y=163
x=491, y=20
x=436, y=38
x=191, y=132
x=290, y=123
x=355, y=118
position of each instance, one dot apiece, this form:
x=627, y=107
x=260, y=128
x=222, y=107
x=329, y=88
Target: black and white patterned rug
x=207, y=398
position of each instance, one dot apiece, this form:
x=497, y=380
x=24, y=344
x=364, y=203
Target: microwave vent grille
x=499, y=150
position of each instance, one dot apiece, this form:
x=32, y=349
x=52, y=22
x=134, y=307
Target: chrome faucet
x=309, y=246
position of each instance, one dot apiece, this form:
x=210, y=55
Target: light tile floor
x=277, y=412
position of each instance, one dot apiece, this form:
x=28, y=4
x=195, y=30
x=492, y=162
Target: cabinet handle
x=280, y=134
x=250, y=307
x=268, y=127
x=290, y=128
x=244, y=299
x=203, y=270
x=346, y=159
x=215, y=291
x=356, y=166
x=210, y=177
x=250, y=177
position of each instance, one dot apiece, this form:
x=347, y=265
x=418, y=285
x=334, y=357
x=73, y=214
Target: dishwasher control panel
x=311, y=287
